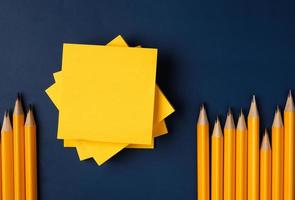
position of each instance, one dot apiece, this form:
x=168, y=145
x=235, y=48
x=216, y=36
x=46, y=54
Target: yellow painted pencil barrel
x=242, y=169
x=19, y=151
x=253, y=152
x=241, y=159
x=30, y=157
x=289, y=149
x=277, y=157
x=203, y=156
x=217, y=163
x=7, y=159
x=229, y=158
x=265, y=169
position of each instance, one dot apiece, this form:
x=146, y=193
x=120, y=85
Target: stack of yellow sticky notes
x=108, y=99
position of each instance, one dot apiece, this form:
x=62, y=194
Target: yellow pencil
x=265, y=168
x=30, y=157
x=19, y=150
x=253, y=152
x=217, y=163
x=229, y=158
x=7, y=159
x=277, y=157
x=203, y=155
x=289, y=149
x=241, y=159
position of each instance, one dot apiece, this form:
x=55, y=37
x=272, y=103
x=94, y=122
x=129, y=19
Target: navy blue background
x=217, y=52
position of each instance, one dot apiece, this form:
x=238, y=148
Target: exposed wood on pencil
x=229, y=123
x=290, y=103
x=217, y=162
x=217, y=131
x=19, y=150
x=30, y=121
x=31, y=156
x=277, y=157
x=253, y=152
x=253, y=112
x=18, y=108
x=6, y=127
x=289, y=150
x=203, y=116
x=241, y=158
x=265, y=169
x=203, y=178
x=277, y=122
x=265, y=141
x=229, y=158
x=241, y=122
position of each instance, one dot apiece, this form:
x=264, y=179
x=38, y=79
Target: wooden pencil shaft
x=30, y=157
x=19, y=151
x=203, y=181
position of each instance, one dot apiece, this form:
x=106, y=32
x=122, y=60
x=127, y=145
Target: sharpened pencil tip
x=265, y=141
x=289, y=107
x=203, y=116
x=253, y=111
x=277, y=121
x=30, y=120
x=229, y=123
x=241, y=122
x=254, y=99
x=18, y=108
x=6, y=127
x=217, y=131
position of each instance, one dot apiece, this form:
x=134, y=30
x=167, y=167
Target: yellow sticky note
x=158, y=129
x=103, y=151
x=162, y=107
x=117, y=89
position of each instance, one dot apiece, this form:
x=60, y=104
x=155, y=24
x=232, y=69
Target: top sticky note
x=115, y=85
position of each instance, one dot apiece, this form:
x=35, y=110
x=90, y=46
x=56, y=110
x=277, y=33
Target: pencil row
x=241, y=167
x=18, y=163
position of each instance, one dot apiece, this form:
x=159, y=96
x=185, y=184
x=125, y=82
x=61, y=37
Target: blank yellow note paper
x=117, y=89
x=108, y=100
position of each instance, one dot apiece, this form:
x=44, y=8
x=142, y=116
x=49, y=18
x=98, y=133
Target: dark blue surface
x=217, y=52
